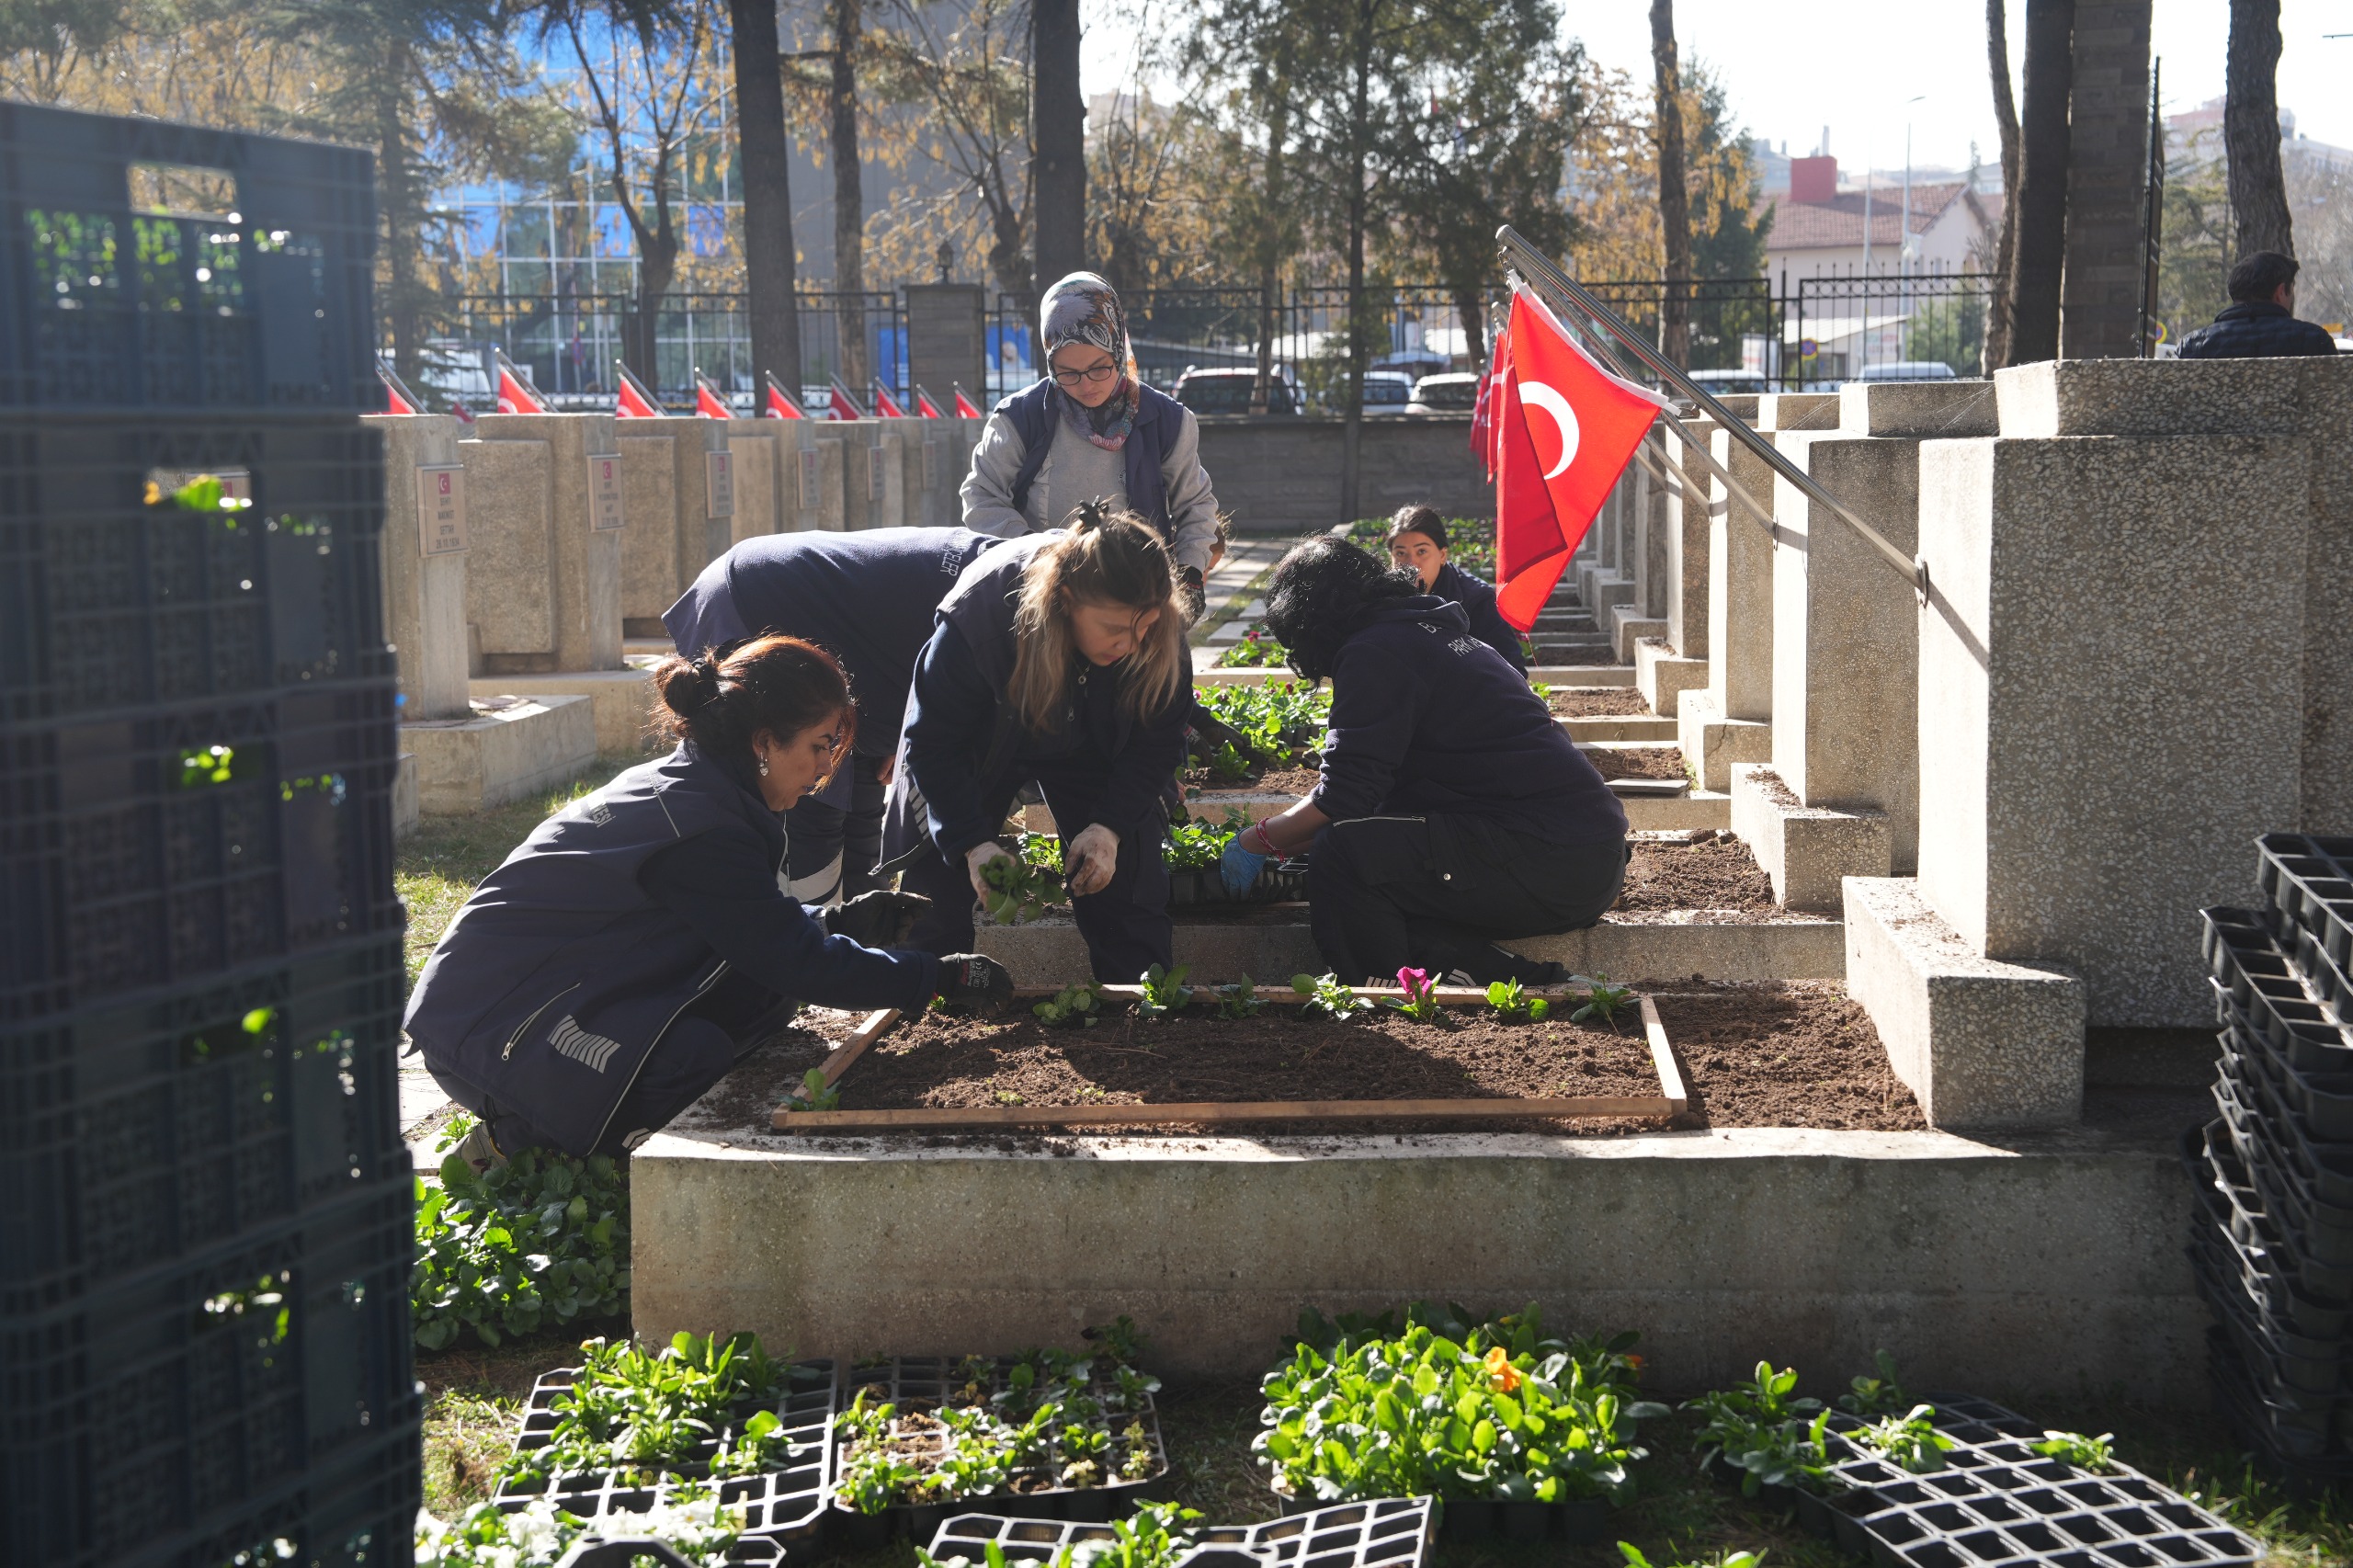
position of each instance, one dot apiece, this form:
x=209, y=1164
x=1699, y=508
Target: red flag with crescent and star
x=780, y=403
x=709, y=401
x=842, y=404
x=515, y=393
x=1565, y=430
x=965, y=407
x=885, y=405
x=398, y=398
x=925, y=407
x=631, y=400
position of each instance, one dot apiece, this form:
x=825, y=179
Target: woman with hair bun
x=1059, y=657
x=640, y=940
x=1452, y=809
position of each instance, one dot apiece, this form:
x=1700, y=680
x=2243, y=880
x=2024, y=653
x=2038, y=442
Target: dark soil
x=1794, y=1056
x=1791, y=1055
x=1715, y=873
x=1639, y=762
x=1581, y=653
x=1599, y=702
x=1261, y=781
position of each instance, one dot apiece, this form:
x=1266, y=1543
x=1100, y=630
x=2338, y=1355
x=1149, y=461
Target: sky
x=1852, y=65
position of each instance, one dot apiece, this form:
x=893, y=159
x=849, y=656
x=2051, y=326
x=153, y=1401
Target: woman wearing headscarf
x=1089, y=430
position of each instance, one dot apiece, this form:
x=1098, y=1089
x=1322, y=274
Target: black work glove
x=976, y=981
x=877, y=920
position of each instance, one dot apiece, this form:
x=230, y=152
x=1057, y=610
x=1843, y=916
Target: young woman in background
x=1417, y=544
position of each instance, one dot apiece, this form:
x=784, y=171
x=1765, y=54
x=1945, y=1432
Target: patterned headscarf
x=1083, y=308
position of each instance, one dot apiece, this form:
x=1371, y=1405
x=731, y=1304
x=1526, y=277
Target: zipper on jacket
x=714, y=978
x=524, y=1028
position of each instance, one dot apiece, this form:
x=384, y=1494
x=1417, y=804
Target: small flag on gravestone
x=630, y=398
x=780, y=403
x=709, y=401
x=516, y=395
x=398, y=398
x=966, y=408
x=843, y=406
x=1554, y=472
x=926, y=407
x=885, y=405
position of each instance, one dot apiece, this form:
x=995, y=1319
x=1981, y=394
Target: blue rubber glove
x=1239, y=868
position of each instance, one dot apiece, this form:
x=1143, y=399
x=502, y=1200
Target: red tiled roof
x=1837, y=225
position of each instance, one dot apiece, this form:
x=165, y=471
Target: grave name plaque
x=719, y=483
x=605, y=491
x=441, y=509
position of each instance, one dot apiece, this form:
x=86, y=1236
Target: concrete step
x=622, y=700
x=1647, y=728
x=1581, y=675
x=1645, y=813
x=1272, y=944
x=510, y=747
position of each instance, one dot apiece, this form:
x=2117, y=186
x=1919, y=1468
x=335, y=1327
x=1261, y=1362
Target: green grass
x=1680, y=1516
x=437, y=868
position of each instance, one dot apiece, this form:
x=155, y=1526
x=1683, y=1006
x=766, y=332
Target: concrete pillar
x=762, y=500
x=947, y=338
x=822, y=489
x=424, y=561
x=1676, y=661
x=545, y=515
x=673, y=529
x=2108, y=163
x=887, y=490
x=2113, y=665
x=1845, y=678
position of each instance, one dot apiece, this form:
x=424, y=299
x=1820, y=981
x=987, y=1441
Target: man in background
x=2260, y=323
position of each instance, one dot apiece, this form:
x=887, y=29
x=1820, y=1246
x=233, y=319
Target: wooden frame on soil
x=1672, y=1100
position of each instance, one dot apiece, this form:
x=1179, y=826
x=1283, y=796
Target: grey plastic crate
x=1389, y=1532
x=783, y=1504
x=2000, y=1503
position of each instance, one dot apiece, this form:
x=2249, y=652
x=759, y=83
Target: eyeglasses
x=1098, y=374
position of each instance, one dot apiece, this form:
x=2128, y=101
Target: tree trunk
x=2040, y=252
x=1058, y=117
x=2005, y=121
x=657, y=265
x=767, y=155
x=1360, y=130
x=849, y=196
x=1270, y=249
x=394, y=176
x=2251, y=131
x=1673, y=195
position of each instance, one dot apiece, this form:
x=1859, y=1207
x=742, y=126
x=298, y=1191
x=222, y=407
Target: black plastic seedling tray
x=2261, y=977
x=2307, y=879
x=2325, y=1100
x=1390, y=1532
x=2228, y=1202
x=783, y=1504
x=2254, y=1111
x=2290, y=1441
x=2000, y=1504
x=1278, y=882
x=924, y=1383
x=2327, y=979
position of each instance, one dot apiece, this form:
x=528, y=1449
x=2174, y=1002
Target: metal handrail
x=1537, y=271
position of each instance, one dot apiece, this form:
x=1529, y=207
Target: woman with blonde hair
x=1059, y=657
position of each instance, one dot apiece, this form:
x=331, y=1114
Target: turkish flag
x=631, y=400
x=926, y=407
x=842, y=404
x=780, y=405
x=515, y=393
x=965, y=409
x=398, y=398
x=709, y=401
x=1566, y=429
x=885, y=405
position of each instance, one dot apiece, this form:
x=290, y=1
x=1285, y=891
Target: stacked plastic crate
x=2273, y=1244
x=205, y=1205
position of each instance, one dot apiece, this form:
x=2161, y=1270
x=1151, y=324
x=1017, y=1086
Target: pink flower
x=1413, y=983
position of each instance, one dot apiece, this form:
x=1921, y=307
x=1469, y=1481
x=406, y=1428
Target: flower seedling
x=1326, y=995
x=1634, y=1558
x=1255, y=649
x=701, y=1401
x=1420, y=1003
x=1228, y=766
x=1237, y=1002
x=1019, y=889
x=1910, y=1440
x=1512, y=1004
x=1602, y=1000
x=1072, y=1006
x=1764, y=1430
x=1882, y=1395
x=815, y=1093
x=1163, y=991
x=1197, y=845
x=2095, y=1455
x=1043, y=850
x=691, y=1523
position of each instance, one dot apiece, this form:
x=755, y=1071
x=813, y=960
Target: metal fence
x=567, y=344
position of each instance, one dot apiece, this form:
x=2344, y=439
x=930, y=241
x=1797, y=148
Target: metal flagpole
x=1546, y=280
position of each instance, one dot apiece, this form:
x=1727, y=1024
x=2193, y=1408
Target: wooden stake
x=869, y=1030
x=1670, y=1076
x=1219, y=1113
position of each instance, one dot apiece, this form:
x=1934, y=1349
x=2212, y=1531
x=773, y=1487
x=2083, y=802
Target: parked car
x=1909, y=370
x=1228, y=391
x=1454, y=391
x=1386, y=392
x=1727, y=383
